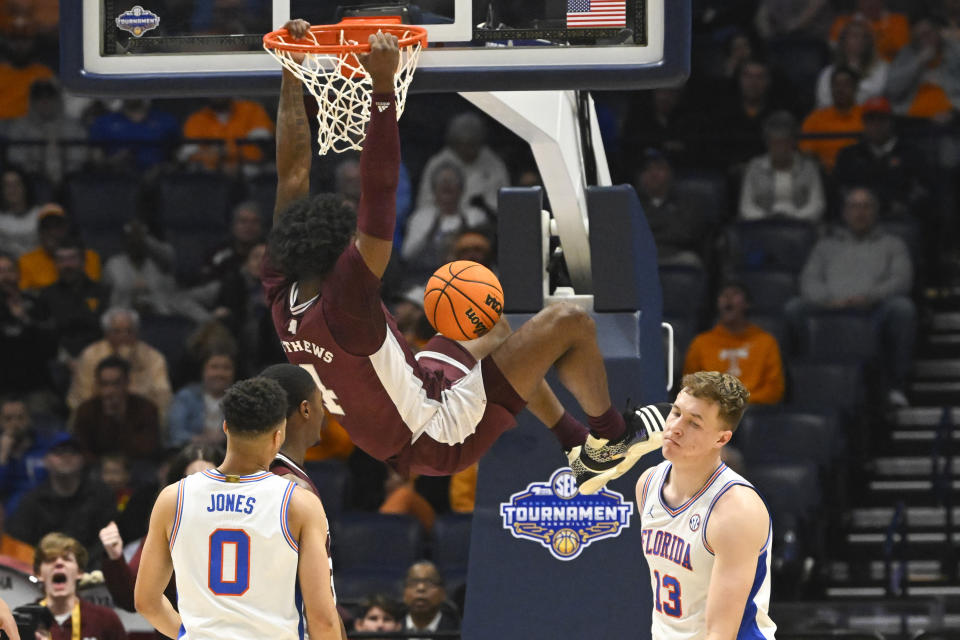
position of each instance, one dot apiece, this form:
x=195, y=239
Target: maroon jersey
x=284, y=466
x=415, y=417
x=367, y=375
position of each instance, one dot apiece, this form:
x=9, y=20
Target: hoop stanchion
x=334, y=76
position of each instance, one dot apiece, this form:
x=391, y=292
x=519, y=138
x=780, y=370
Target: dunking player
x=439, y=412
x=705, y=530
x=248, y=547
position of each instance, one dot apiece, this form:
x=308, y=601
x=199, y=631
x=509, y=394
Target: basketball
x=566, y=542
x=463, y=300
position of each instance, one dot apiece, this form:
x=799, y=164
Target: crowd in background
x=117, y=342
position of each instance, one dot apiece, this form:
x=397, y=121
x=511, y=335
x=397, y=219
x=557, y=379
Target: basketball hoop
x=334, y=76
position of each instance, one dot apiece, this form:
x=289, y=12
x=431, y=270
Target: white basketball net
x=342, y=90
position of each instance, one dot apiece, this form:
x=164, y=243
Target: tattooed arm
x=293, y=135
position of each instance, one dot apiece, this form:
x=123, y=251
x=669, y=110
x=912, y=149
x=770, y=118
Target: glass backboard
x=206, y=47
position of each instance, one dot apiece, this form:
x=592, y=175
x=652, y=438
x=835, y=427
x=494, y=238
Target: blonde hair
x=724, y=389
x=53, y=545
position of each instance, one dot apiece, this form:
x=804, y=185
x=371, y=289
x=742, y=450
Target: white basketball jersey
x=234, y=558
x=681, y=562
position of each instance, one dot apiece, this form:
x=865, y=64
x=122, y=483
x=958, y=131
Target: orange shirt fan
x=334, y=76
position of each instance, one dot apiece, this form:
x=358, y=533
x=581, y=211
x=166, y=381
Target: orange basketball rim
x=335, y=77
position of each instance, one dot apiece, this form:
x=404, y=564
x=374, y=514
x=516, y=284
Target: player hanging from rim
x=249, y=547
x=438, y=412
x=706, y=531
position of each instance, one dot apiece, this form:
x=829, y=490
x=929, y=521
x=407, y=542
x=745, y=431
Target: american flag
x=596, y=13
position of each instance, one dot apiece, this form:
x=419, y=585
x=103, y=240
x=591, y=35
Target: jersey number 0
x=229, y=570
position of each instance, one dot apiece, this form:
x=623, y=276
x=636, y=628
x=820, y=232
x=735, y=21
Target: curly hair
x=252, y=407
x=311, y=234
x=724, y=389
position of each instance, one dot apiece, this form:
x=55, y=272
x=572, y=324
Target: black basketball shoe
x=600, y=460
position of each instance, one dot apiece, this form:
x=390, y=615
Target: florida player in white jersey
x=248, y=547
x=438, y=412
x=706, y=530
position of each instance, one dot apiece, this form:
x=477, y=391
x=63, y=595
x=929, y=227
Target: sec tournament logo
x=554, y=514
x=137, y=21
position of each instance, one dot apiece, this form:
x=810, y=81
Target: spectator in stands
x=924, y=79
x=407, y=310
x=242, y=307
x=841, y=117
x=432, y=226
x=74, y=301
x=69, y=500
x=346, y=183
x=40, y=17
x=115, y=473
x=59, y=564
x=424, y=594
x=737, y=128
x=891, y=166
x=121, y=577
x=474, y=243
x=346, y=179
x=463, y=489
x=47, y=123
x=204, y=339
x=739, y=347
x=195, y=414
x=891, y=30
x=658, y=119
x=24, y=337
x=19, y=69
x=402, y=498
x=855, y=49
x=860, y=267
x=950, y=12
x=19, y=214
x=740, y=48
x=678, y=222
x=379, y=612
x=116, y=420
x=783, y=182
x=483, y=172
x=38, y=268
x=139, y=278
x=229, y=120
x=246, y=232
x=148, y=367
x=137, y=136
x=793, y=19
x=22, y=450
